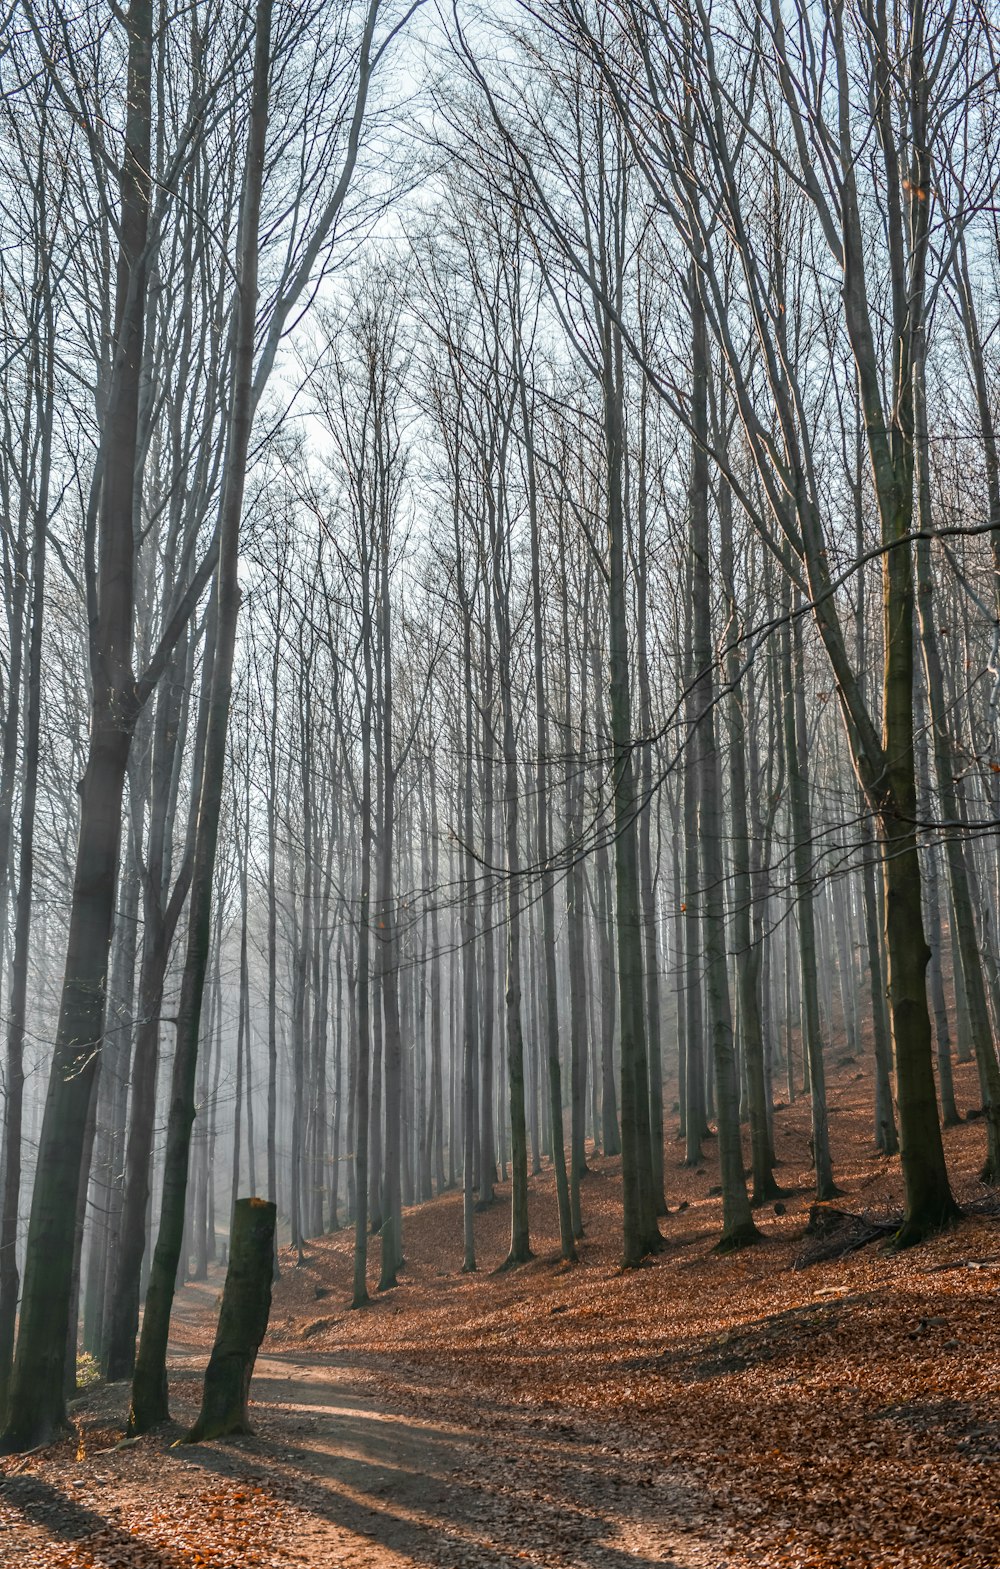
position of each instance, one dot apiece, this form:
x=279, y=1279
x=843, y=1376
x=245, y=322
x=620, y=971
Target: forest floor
x=704, y=1412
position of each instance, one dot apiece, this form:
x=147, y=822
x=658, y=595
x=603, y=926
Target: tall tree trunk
x=392, y=1239
x=647, y=797
x=160, y=918
x=695, y=1108
x=436, y=1129
x=641, y=1234
x=800, y=824
x=576, y=931
x=17, y=1005
x=738, y=1227
x=748, y=952
x=939, y=1004
x=550, y=987
x=520, y=1246
x=112, y=1096
x=149, y=1385
x=966, y=941
x=36, y=1406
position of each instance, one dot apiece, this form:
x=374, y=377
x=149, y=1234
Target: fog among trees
x=500, y=519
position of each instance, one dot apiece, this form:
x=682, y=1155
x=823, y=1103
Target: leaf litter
x=768, y=1410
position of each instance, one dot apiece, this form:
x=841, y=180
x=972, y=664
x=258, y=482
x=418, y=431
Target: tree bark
x=246, y=1306
x=149, y=1386
x=738, y=1228
x=36, y=1406
x=800, y=823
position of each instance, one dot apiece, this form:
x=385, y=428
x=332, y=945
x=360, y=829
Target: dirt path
x=342, y=1472
x=371, y=1484
x=367, y=1478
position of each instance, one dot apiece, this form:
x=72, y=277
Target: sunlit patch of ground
x=701, y=1411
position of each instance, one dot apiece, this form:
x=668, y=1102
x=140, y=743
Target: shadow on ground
x=381, y=1489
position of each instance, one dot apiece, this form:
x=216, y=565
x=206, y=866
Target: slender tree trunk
x=520, y=1246
x=112, y=1092
x=470, y=998
x=576, y=934
x=550, y=986
x=942, y=1032
x=17, y=1005
x=695, y=1109
x=160, y=924
x=149, y=1385
x=966, y=941
x=738, y=1227
x=436, y=1133
x=800, y=823
x=748, y=953
x=272, y=921
x=647, y=799
x=392, y=1239
x=641, y=1234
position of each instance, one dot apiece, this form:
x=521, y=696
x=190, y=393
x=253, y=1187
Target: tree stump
x=246, y=1303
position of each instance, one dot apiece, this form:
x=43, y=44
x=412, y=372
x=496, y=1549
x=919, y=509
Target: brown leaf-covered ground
x=705, y=1412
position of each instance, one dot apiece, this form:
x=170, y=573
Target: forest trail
x=376, y=1486
x=701, y=1413
x=340, y=1475
x=366, y=1483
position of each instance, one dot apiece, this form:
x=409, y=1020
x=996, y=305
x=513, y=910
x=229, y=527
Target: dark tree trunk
x=246, y=1306
x=10, y=1179
x=738, y=1227
x=149, y=1385
x=36, y=1407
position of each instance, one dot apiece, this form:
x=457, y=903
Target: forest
x=499, y=757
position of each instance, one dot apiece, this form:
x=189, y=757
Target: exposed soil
x=711, y=1413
